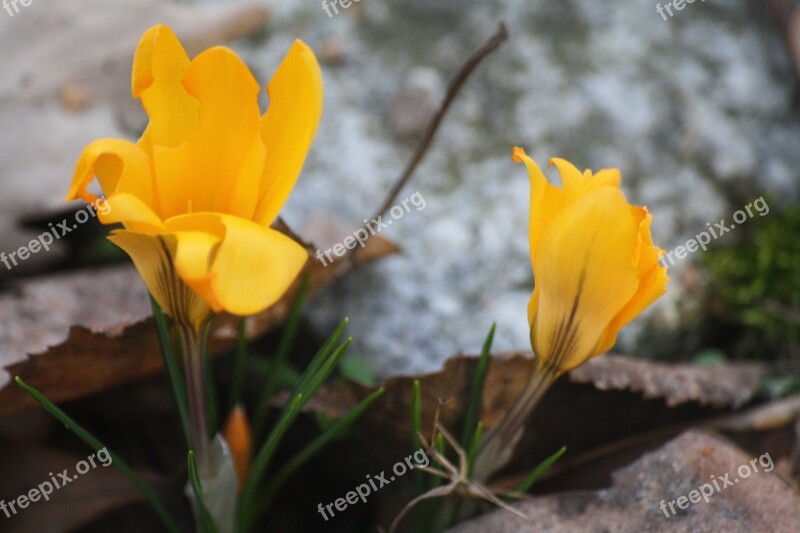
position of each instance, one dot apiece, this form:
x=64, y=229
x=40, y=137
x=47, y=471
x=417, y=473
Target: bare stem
x=194, y=360
x=467, y=68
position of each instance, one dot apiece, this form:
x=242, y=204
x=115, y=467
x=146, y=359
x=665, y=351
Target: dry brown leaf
x=69, y=335
x=77, y=503
x=601, y=410
x=730, y=385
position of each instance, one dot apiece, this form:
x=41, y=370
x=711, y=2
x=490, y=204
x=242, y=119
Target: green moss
x=755, y=285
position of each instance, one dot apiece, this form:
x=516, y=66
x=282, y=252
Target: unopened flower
x=595, y=266
x=199, y=190
x=239, y=438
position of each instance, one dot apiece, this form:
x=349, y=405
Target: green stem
x=194, y=359
x=499, y=443
x=238, y=368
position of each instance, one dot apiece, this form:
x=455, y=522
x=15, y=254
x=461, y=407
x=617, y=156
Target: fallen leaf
x=69, y=335
x=730, y=385
x=602, y=410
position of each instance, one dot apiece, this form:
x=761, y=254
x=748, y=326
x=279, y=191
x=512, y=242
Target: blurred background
x=698, y=110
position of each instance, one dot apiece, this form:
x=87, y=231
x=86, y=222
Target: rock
x=332, y=52
x=414, y=103
x=750, y=496
x=696, y=112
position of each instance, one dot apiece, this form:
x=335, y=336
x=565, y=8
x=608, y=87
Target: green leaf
x=474, y=446
x=334, y=431
x=416, y=415
x=357, y=369
x=206, y=521
x=709, y=357
x=175, y=375
x=318, y=370
x=96, y=445
x=537, y=472
x=476, y=391
x=281, y=355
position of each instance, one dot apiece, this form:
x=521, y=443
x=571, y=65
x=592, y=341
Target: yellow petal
x=577, y=184
x=246, y=266
x=584, y=275
x=288, y=127
x=159, y=66
x=223, y=156
x=546, y=199
x=254, y=266
x=152, y=256
x=118, y=165
x=652, y=282
x=571, y=177
x=193, y=256
x=197, y=239
x=129, y=210
x=533, y=305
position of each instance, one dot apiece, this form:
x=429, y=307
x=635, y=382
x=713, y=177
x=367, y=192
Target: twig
x=490, y=45
x=467, y=68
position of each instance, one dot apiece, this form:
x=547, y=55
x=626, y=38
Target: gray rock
x=696, y=112
x=752, y=499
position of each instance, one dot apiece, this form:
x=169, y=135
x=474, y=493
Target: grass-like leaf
x=540, y=469
x=416, y=414
x=474, y=446
x=281, y=355
x=474, y=401
x=96, y=445
x=334, y=431
x=171, y=363
x=206, y=522
x=318, y=370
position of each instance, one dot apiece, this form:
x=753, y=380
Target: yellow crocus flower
x=595, y=266
x=199, y=190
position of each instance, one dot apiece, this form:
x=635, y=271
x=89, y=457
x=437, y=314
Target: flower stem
x=499, y=444
x=194, y=360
